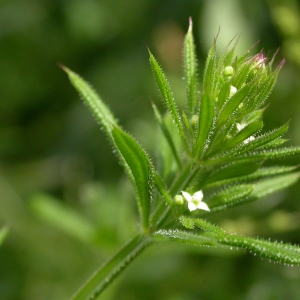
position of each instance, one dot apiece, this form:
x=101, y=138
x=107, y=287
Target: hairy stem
x=113, y=267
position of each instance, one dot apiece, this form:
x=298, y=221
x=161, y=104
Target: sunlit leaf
x=102, y=113
x=244, y=134
x=279, y=252
x=262, y=140
x=205, y=123
x=232, y=171
x=209, y=79
x=190, y=70
x=274, y=184
x=167, y=134
x=230, y=196
x=183, y=237
x=138, y=166
x=247, y=171
x=168, y=98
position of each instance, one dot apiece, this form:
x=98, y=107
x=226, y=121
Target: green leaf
x=246, y=170
x=190, y=70
x=230, y=196
x=269, y=186
x=93, y=101
x=109, y=271
x=273, y=144
x=209, y=80
x=138, y=166
x=257, y=142
x=245, y=133
x=262, y=140
x=223, y=94
x=255, y=115
x=3, y=234
x=166, y=92
x=183, y=237
x=246, y=193
x=233, y=103
x=204, y=225
x=190, y=125
x=162, y=189
x=279, y=252
x=241, y=73
x=206, y=118
x=263, y=90
x=166, y=134
x=232, y=171
x=271, y=154
x=255, y=155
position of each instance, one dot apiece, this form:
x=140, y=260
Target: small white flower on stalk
x=195, y=201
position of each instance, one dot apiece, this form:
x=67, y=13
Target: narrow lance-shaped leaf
x=138, y=166
x=232, y=170
x=262, y=140
x=102, y=113
x=244, y=134
x=190, y=70
x=269, y=186
x=209, y=80
x=264, y=89
x=111, y=269
x=189, y=124
x=233, y=103
x=183, y=237
x=206, y=118
x=229, y=197
x=258, y=155
x=241, y=74
x=166, y=134
x=246, y=193
x=166, y=92
x=162, y=188
x=279, y=252
x=251, y=172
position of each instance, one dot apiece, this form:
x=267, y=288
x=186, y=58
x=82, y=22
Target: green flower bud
x=194, y=120
x=228, y=71
x=178, y=200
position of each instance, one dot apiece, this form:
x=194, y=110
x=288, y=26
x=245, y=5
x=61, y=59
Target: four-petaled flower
x=195, y=201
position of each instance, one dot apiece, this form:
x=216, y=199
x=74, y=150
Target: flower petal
x=198, y=196
x=203, y=206
x=187, y=196
x=192, y=206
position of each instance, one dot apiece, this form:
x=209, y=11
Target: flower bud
x=228, y=71
x=194, y=120
x=178, y=200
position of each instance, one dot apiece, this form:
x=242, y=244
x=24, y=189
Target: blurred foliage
x=59, y=181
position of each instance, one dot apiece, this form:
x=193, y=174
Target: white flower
x=195, y=201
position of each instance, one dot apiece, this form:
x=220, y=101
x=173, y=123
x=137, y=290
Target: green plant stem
x=113, y=267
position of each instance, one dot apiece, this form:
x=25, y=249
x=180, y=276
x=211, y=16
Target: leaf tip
x=190, y=24
x=63, y=67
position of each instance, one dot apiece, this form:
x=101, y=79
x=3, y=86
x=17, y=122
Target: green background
x=63, y=193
